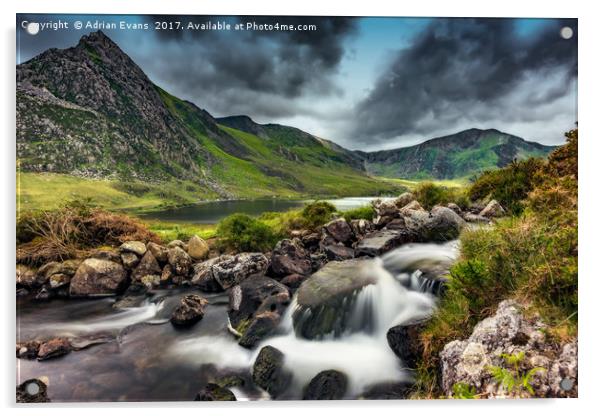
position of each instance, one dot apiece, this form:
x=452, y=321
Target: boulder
x=256, y=307
x=404, y=199
x=324, y=300
x=407, y=209
x=385, y=208
x=96, y=277
x=28, y=349
x=105, y=254
x=288, y=257
x=166, y=274
x=361, y=227
x=326, y=385
x=380, y=242
x=443, y=225
x=151, y=281
x=179, y=260
x=148, y=265
x=27, y=277
x=177, y=243
x=293, y=281
x=338, y=252
x=311, y=241
x=32, y=391
x=158, y=251
x=339, y=230
x=492, y=209
x=198, y=248
x=214, y=392
x=59, y=280
x=318, y=260
x=67, y=267
x=269, y=372
x=53, y=348
x=136, y=247
x=129, y=260
x=234, y=270
x=203, y=274
x=455, y=208
x=404, y=340
x=190, y=310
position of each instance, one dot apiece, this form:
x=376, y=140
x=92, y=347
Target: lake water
x=212, y=212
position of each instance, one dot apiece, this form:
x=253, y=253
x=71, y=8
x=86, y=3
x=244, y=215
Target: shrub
x=317, y=213
x=430, y=194
x=359, y=213
x=242, y=232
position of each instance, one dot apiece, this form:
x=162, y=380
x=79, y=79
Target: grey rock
x=98, y=277
x=136, y=247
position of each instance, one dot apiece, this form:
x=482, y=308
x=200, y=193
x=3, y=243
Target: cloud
x=461, y=73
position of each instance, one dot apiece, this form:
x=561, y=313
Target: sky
x=365, y=83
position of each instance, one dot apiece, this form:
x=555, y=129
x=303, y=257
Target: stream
x=145, y=358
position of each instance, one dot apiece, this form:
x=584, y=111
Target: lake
x=213, y=211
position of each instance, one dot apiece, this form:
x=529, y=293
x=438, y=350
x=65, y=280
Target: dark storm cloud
x=469, y=70
x=252, y=65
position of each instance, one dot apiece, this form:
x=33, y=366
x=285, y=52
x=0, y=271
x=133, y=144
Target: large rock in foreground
x=269, y=372
x=190, y=311
x=98, y=277
x=325, y=299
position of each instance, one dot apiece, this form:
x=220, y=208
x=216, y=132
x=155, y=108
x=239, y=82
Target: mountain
x=90, y=112
x=458, y=155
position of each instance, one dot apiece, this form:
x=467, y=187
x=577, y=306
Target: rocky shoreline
x=321, y=266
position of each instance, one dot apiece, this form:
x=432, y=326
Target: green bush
x=317, y=214
x=242, y=232
x=430, y=194
x=510, y=186
x=359, y=213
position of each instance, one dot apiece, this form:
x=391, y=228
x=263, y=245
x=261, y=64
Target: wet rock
x=158, y=251
x=404, y=199
x=190, y=311
x=323, y=299
x=213, y=392
x=443, y=225
x=96, y=277
x=179, y=260
x=43, y=294
x=293, y=281
x=318, y=261
x=129, y=260
x=232, y=271
x=338, y=252
x=339, y=230
x=198, y=248
x=404, y=340
x=311, y=241
x=288, y=257
x=136, y=247
x=54, y=348
x=32, y=391
x=269, y=372
x=492, y=210
x=388, y=391
x=22, y=292
x=326, y=385
x=380, y=242
x=87, y=341
x=148, y=266
x=28, y=349
x=27, y=277
x=256, y=307
x=59, y=280
x=361, y=227
x=203, y=274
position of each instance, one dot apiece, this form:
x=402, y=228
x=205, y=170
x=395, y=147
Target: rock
x=59, y=280
x=151, y=280
x=179, y=260
x=27, y=277
x=470, y=217
x=269, y=372
x=256, y=307
x=136, y=247
x=408, y=209
x=53, y=348
x=43, y=294
x=326, y=385
x=493, y=209
x=232, y=271
x=198, y=248
x=404, y=340
x=190, y=311
x=28, y=349
x=213, y=392
x=96, y=277
x=177, y=243
x=339, y=230
x=166, y=274
x=158, y=251
x=87, y=341
x=385, y=208
x=454, y=207
x=311, y=241
x=68, y=267
x=361, y=227
x=324, y=299
x=388, y=391
x=293, y=281
x=290, y=257
x=129, y=260
x=443, y=225
x=404, y=199
x=203, y=274
x=105, y=254
x=32, y=391
x=318, y=261
x=22, y=292
x=338, y=252
x=509, y=332
x=148, y=266
x=380, y=242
